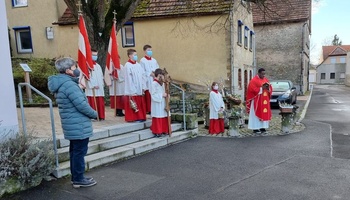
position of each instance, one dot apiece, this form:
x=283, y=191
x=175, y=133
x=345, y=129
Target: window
x=323, y=75
x=128, y=38
x=342, y=75
x=239, y=79
x=23, y=39
x=333, y=60
x=251, y=40
x=332, y=76
x=19, y=3
x=239, y=32
x=342, y=60
x=246, y=30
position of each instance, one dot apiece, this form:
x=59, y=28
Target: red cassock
x=261, y=101
x=100, y=102
x=130, y=114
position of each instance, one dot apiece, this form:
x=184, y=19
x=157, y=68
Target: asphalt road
x=331, y=104
x=295, y=166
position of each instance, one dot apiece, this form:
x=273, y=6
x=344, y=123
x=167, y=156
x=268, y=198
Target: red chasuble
x=261, y=101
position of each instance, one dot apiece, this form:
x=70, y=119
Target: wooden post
x=28, y=90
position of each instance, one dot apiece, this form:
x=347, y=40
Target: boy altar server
x=159, y=115
x=149, y=65
x=134, y=104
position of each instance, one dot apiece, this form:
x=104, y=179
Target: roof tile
x=281, y=11
x=157, y=8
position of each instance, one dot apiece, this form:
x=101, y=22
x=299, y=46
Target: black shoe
x=120, y=113
x=84, y=183
x=256, y=131
x=262, y=130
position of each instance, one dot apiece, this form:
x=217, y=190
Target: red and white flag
x=84, y=53
x=112, y=61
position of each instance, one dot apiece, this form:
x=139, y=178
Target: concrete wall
x=281, y=51
x=8, y=114
x=40, y=14
x=338, y=69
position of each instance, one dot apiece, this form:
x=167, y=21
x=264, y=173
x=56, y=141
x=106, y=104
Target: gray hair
x=62, y=64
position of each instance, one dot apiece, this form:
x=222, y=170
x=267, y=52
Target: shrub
x=42, y=68
x=24, y=162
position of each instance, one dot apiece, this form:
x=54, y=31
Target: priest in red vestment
x=258, y=102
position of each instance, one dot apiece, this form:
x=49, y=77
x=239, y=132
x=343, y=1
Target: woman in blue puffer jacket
x=76, y=114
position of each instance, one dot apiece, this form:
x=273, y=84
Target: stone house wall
x=279, y=50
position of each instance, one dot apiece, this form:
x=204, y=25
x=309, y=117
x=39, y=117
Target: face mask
x=149, y=53
x=94, y=57
x=76, y=72
x=135, y=58
x=216, y=87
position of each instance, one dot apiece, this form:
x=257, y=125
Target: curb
x=303, y=113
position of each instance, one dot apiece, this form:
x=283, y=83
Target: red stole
x=261, y=101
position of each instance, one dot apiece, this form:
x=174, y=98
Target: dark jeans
x=77, y=151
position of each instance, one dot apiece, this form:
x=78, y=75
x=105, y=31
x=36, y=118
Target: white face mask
x=215, y=87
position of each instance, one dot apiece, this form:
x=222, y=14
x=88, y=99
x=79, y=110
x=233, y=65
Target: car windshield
x=280, y=86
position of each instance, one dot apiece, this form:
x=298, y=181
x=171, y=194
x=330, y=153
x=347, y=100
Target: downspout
x=232, y=52
x=302, y=58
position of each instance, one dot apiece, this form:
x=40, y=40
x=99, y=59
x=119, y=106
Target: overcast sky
x=329, y=17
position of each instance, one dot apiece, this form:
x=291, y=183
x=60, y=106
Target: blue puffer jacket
x=74, y=109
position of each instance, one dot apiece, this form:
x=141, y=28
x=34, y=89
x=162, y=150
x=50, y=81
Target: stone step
x=126, y=151
x=109, y=131
x=112, y=142
x=101, y=145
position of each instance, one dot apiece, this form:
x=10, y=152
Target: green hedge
x=42, y=68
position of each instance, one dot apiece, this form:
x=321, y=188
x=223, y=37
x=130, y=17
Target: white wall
x=8, y=111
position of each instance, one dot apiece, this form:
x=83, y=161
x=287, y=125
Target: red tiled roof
x=66, y=19
x=335, y=50
x=162, y=8
x=281, y=11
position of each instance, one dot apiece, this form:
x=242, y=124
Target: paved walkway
x=38, y=122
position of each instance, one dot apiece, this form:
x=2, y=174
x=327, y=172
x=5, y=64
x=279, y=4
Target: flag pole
x=115, y=97
x=115, y=81
x=93, y=93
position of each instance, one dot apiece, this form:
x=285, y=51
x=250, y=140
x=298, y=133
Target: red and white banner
x=112, y=61
x=84, y=53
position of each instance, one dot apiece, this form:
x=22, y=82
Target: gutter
x=232, y=52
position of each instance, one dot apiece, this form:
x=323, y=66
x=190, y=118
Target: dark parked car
x=283, y=91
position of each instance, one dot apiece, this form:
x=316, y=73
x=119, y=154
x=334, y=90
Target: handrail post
x=22, y=110
x=183, y=104
x=51, y=116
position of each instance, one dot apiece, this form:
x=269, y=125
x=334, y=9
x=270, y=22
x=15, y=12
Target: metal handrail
x=51, y=116
x=183, y=104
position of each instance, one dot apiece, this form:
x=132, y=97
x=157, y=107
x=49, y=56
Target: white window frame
x=19, y=3
x=18, y=31
x=251, y=40
x=333, y=60
x=246, y=31
x=239, y=32
x=125, y=32
x=342, y=59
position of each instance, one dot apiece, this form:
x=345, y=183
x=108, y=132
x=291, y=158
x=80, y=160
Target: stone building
x=333, y=68
x=283, y=40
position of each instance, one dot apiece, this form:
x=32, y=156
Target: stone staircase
x=118, y=142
